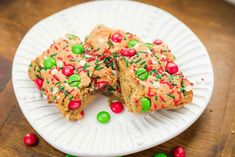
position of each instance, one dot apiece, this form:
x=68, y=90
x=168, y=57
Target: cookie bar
x=69, y=77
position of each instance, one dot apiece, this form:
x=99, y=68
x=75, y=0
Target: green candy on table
x=103, y=117
x=145, y=103
x=132, y=43
x=68, y=155
x=142, y=74
x=149, y=45
x=49, y=63
x=160, y=155
x=77, y=49
x=74, y=80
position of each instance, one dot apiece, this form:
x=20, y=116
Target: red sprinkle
x=30, y=139
x=154, y=106
x=82, y=114
x=117, y=107
x=56, y=77
x=74, y=104
x=39, y=83
x=162, y=98
x=101, y=84
x=56, y=47
x=149, y=92
x=149, y=68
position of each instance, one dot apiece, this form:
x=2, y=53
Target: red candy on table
x=128, y=52
x=117, y=107
x=68, y=70
x=172, y=68
x=74, y=104
x=157, y=42
x=178, y=152
x=39, y=83
x=30, y=139
x=116, y=37
x=101, y=84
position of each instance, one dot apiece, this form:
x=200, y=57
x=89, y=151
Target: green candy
x=49, y=63
x=142, y=74
x=103, y=117
x=74, y=80
x=149, y=45
x=77, y=49
x=145, y=103
x=132, y=43
x=160, y=155
x=68, y=155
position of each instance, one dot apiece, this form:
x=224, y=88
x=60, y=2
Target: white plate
x=127, y=132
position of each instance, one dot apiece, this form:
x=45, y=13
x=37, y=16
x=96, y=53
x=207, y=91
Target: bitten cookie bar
x=69, y=77
x=150, y=79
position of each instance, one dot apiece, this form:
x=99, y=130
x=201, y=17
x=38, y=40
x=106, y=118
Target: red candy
x=149, y=68
x=82, y=113
x=30, y=139
x=101, y=84
x=68, y=70
x=157, y=42
x=74, y=104
x=172, y=68
x=39, y=83
x=128, y=52
x=116, y=37
x=117, y=107
x=178, y=152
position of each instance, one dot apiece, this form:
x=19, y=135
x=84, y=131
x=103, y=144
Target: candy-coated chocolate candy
x=101, y=84
x=160, y=155
x=68, y=70
x=30, y=139
x=157, y=42
x=149, y=45
x=178, y=152
x=116, y=37
x=49, y=63
x=142, y=74
x=103, y=117
x=128, y=52
x=117, y=107
x=39, y=83
x=74, y=80
x=68, y=155
x=172, y=68
x=74, y=104
x=132, y=43
x=77, y=49
x=145, y=103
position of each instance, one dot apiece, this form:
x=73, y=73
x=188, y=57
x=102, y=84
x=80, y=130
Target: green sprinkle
x=66, y=92
x=71, y=98
x=172, y=96
x=164, y=50
x=48, y=82
x=51, y=89
x=110, y=44
x=53, y=54
x=86, y=65
x=142, y=62
x=99, y=68
x=61, y=88
x=98, y=49
x=30, y=65
x=57, y=83
x=156, y=97
x=88, y=73
x=138, y=60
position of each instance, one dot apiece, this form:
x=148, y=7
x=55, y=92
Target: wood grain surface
x=212, y=135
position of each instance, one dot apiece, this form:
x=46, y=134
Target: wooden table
x=213, y=21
